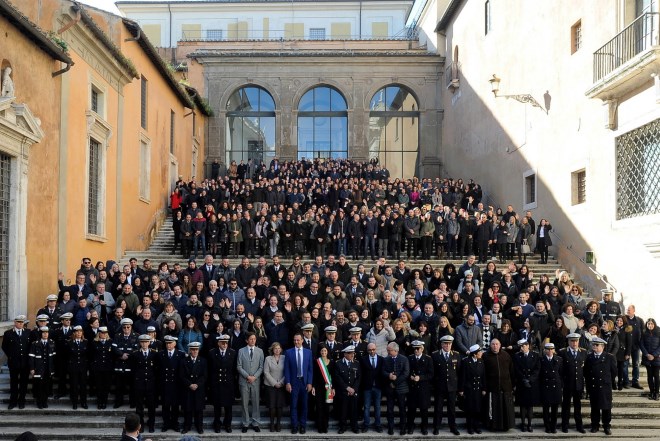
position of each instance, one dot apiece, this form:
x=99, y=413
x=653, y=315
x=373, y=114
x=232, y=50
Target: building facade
x=553, y=107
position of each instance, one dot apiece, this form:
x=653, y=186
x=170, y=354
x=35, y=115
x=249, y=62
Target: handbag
x=525, y=249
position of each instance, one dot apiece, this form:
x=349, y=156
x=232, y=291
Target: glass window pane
x=266, y=102
x=322, y=99
x=268, y=132
x=376, y=136
x=410, y=137
x=378, y=101
x=393, y=163
x=307, y=102
x=250, y=99
x=337, y=101
x=322, y=134
x=409, y=164
x=339, y=134
x=306, y=133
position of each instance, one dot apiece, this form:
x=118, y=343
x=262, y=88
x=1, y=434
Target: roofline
x=105, y=40
x=210, y=53
x=33, y=32
x=135, y=30
x=171, y=2
x=448, y=15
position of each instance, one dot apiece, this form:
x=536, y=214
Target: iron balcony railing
x=639, y=36
x=278, y=35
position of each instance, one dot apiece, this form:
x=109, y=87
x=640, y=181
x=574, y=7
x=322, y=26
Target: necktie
x=20, y=333
x=251, y=353
x=373, y=362
x=146, y=354
x=299, y=362
x=222, y=354
x=332, y=345
x=446, y=356
x=170, y=354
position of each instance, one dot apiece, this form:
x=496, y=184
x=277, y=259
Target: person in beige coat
x=274, y=381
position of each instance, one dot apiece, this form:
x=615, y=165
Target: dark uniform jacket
x=360, y=348
x=573, y=369
x=169, y=375
x=16, y=348
x=193, y=373
x=527, y=370
x=347, y=374
x=335, y=353
x=124, y=345
x=421, y=390
x=599, y=374
x=145, y=369
x=77, y=355
x=446, y=372
x=222, y=375
x=53, y=317
x=101, y=356
x=472, y=382
x=550, y=380
x=42, y=359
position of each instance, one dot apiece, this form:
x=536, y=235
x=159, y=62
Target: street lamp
x=524, y=98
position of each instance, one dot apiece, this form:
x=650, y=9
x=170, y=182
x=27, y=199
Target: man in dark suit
x=599, y=374
x=333, y=346
x=192, y=376
x=573, y=358
x=15, y=344
x=446, y=367
x=308, y=341
x=550, y=381
x=421, y=374
x=222, y=368
x=170, y=360
x=396, y=371
x=209, y=271
x=144, y=364
x=298, y=378
x=372, y=386
x=347, y=384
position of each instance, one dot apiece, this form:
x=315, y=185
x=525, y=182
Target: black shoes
x=607, y=431
x=244, y=430
x=294, y=430
x=455, y=431
x=581, y=430
x=637, y=386
x=390, y=432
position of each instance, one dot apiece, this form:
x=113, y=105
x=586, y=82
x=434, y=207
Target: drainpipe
x=137, y=37
x=169, y=8
x=76, y=8
x=61, y=71
x=360, y=25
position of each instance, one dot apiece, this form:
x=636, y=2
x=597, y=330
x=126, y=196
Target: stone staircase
x=634, y=416
x=161, y=248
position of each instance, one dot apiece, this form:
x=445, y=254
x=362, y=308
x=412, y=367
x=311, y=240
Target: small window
x=579, y=187
x=143, y=103
x=145, y=171
x=317, y=33
x=172, y=115
x=529, y=196
x=576, y=37
x=214, y=34
x=95, y=100
x=487, y=24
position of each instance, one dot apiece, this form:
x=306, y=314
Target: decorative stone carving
x=7, y=84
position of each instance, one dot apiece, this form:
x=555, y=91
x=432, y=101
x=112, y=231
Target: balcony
x=627, y=61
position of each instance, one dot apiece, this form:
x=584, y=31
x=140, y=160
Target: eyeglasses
x=87, y=262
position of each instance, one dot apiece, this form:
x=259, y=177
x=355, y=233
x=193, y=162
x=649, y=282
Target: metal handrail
x=277, y=35
x=640, y=35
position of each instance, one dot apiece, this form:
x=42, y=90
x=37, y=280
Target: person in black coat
x=144, y=365
x=372, y=386
x=192, y=375
x=421, y=374
x=543, y=240
x=101, y=366
x=42, y=367
x=599, y=374
x=472, y=387
x=550, y=381
x=15, y=345
x=76, y=350
x=573, y=358
x=526, y=364
x=222, y=375
x=396, y=371
x=446, y=369
x=624, y=333
x=347, y=384
x=170, y=394
x=650, y=347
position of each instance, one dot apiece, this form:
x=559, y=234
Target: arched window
x=322, y=124
x=250, y=125
x=394, y=130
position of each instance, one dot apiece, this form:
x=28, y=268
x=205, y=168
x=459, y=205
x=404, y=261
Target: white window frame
x=144, y=187
x=531, y=205
x=101, y=131
x=101, y=89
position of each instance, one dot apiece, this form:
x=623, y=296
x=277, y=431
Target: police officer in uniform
x=123, y=345
x=35, y=334
x=170, y=360
x=53, y=312
x=61, y=336
x=446, y=367
x=334, y=347
x=527, y=366
x=76, y=354
x=222, y=369
x=550, y=380
x=101, y=365
x=42, y=367
x=599, y=374
x=357, y=343
x=472, y=385
x=347, y=383
x=421, y=374
x=573, y=358
x=144, y=366
x=15, y=344
x=192, y=375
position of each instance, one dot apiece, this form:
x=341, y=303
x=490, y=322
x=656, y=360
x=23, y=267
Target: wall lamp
x=525, y=99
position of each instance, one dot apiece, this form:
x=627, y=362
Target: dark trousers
x=248, y=247
x=550, y=416
x=483, y=251
x=218, y=408
x=369, y=244
x=598, y=414
x=574, y=397
x=526, y=413
x=102, y=380
x=189, y=416
x=170, y=413
x=78, y=387
x=440, y=398
x=299, y=403
x=653, y=377
x=122, y=385
x=415, y=402
x=348, y=408
x=322, y=413
x=355, y=247
x=412, y=242
x=398, y=399
x=146, y=397
x=186, y=247
x=427, y=247
x=18, y=382
x=395, y=247
x=62, y=374
x=451, y=246
x=40, y=388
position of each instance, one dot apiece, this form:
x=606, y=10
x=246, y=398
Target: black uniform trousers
x=598, y=415
x=574, y=397
x=440, y=397
x=348, y=405
x=18, y=383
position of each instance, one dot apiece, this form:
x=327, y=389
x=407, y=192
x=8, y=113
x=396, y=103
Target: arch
x=250, y=125
x=393, y=135
x=369, y=94
x=237, y=85
x=322, y=123
x=307, y=86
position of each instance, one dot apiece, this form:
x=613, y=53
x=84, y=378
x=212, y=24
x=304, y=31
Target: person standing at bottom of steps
x=170, y=363
x=15, y=344
x=573, y=374
x=192, y=375
x=42, y=367
x=101, y=365
x=599, y=374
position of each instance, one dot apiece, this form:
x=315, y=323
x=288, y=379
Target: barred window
x=487, y=17
x=95, y=100
x=529, y=190
x=638, y=172
x=214, y=34
x=579, y=187
x=143, y=102
x=5, y=210
x=172, y=116
x=576, y=37
x=94, y=188
x=317, y=33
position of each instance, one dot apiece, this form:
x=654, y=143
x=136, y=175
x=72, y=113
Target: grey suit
x=250, y=392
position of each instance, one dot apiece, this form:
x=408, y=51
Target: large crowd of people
x=327, y=339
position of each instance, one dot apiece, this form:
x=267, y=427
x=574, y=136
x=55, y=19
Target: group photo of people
x=351, y=329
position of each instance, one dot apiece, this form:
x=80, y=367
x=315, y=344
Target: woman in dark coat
x=550, y=382
x=472, y=386
x=650, y=346
x=499, y=385
x=625, y=345
x=527, y=367
x=508, y=338
x=543, y=240
x=319, y=388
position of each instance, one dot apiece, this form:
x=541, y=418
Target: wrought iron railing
x=639, y=36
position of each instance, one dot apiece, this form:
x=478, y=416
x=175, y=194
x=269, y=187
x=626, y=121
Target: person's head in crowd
x=593, y=329
x=469, y=319
x=278, y=317
x=592, y=307
x=191, y=323
x=132, y=425
x=485, y=320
